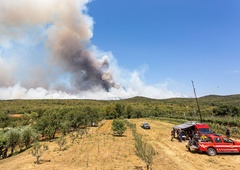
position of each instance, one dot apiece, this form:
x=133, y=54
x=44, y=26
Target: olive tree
x=3, y=145
x=61, y=141
x=37, y=150
x=118, y=126
x=13, y=138
x=28, y=135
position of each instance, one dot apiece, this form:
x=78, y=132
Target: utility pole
x=197, y=102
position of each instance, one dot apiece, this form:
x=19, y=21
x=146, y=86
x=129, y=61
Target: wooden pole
x=197, y=102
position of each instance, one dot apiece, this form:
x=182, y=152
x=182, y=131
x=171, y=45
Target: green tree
x=226, y=110
x=65, y=126
x=129, y=111
x=4, y=120
x=111, y=112
x=34, y=117
x=119, y=110
x=73, y=136
x=28, y=135
x=26, y=118
x=41, y=125
x=49, y=123
x=13, y=138
x=149, y=153
x=61, y=141
x=72, y=117
x=118, y=126
x=91, y=115
x=3, y=145
x=77, y=118
x=38, y=150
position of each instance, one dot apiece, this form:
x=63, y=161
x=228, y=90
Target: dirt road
x=100, y=150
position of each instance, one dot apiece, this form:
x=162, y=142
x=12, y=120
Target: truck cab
x=203, y=129
x=214, y=144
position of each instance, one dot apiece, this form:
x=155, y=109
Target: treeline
x=15, y=113
x=32, y=110
x=146, y=106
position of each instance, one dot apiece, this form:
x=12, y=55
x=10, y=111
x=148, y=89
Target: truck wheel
x=211, y=152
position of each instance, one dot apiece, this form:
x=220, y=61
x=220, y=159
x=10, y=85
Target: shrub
x=118, y=126
x=61, y=141
x=38, y=150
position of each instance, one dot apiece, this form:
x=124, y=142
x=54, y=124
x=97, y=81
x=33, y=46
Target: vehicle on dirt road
x=145, y=125
x=214, y=144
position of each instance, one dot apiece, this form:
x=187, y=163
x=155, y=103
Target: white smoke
x=46, y=53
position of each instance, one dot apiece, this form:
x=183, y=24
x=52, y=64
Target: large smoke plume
x=68, y=31
x=46, y=52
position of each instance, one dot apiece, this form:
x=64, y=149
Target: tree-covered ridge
x=176, y=106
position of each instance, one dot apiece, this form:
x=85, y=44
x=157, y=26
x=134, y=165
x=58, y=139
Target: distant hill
x=206, y=100
x=184, y=105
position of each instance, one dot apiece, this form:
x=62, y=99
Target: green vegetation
x=24, y=121
x=144, y=150
x=38, y=150
x=61, y=141
x=118, y=127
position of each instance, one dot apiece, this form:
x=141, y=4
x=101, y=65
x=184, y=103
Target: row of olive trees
x=46, y=126
x=16, y=137
x=64, y=121
x=90, y=114
x=144, y=150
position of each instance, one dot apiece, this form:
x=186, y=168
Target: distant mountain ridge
x=210, y=100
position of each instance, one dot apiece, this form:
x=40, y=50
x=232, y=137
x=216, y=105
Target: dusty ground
x=99, y=150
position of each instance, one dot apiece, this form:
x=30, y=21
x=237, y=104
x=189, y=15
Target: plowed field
x=100, y=150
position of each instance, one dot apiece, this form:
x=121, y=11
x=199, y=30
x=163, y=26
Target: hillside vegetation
x=100, y=150
x=128, y=108
x=24, y=122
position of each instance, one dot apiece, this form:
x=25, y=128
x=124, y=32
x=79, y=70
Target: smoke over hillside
x=46, y=52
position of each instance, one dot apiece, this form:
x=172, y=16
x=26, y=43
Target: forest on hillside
x=24, y=121
x=137, y=107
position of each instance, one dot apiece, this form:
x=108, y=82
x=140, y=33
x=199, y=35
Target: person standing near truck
x=228, y=133
x=180, y=135
x=196, y=138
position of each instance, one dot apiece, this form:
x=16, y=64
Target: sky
x=104, y=49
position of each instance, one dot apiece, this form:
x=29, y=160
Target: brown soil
x=16, y=115
x=100, y=150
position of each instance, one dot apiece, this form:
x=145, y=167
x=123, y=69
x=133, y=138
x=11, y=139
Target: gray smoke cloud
x=68, y=30
x=46, y=53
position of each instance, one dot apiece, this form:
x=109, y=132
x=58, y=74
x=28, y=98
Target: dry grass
x=99, y=150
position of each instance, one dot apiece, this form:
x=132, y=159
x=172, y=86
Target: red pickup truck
x=214, y=144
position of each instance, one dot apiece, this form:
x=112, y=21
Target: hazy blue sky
x=177, y=40
x=154, y=48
